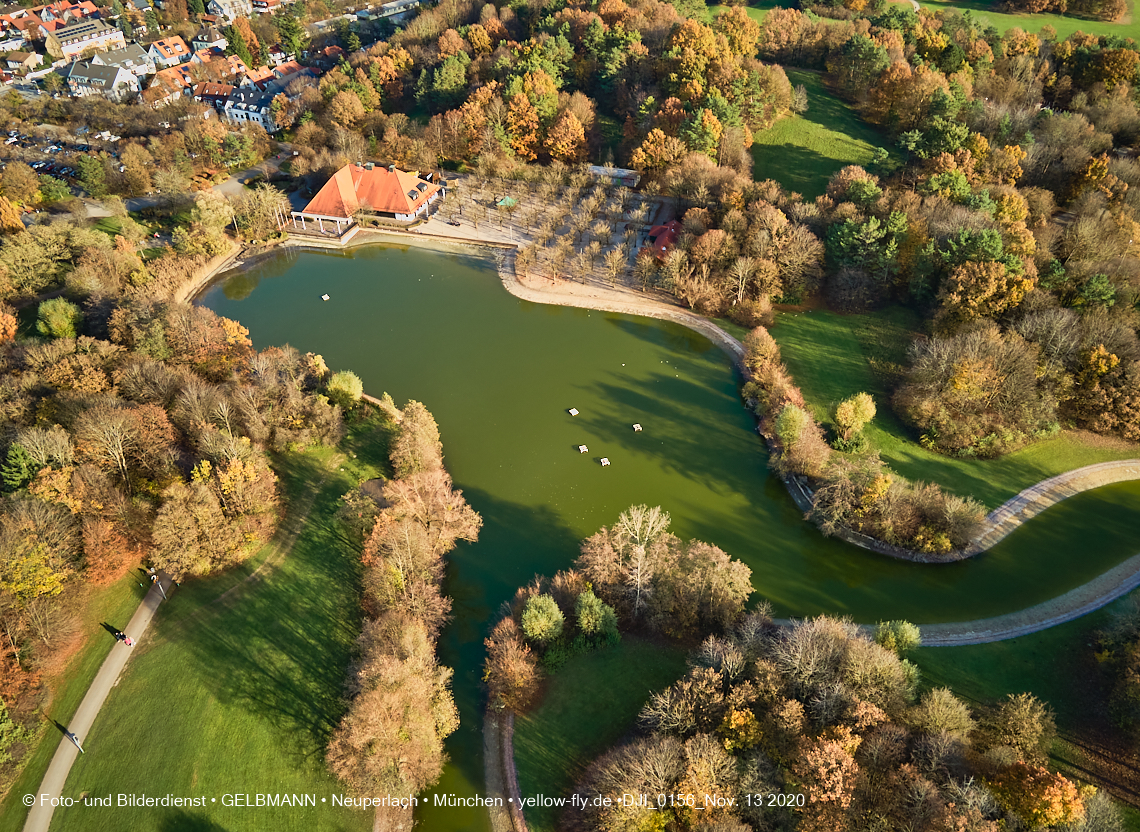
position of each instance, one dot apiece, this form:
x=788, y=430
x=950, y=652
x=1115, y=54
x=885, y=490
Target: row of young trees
x=400, y=708
x=634, y=575
x=816, y=726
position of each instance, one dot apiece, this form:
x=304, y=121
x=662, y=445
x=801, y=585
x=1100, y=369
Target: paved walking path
x=39, y=818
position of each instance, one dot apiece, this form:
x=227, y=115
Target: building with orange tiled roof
x=169, y=51
x=384, y=191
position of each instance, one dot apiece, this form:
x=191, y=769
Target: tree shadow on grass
x=182, y=821
x=280, y=647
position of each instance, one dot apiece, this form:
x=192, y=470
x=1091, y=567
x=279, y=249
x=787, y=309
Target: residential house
x=265, y=6
x=131, y=57
x=246, y=105
x=22, y=61
x=328, y=57
x=83, y=36
x=379, y=190
x=167, y=52
x=228, y=10
x=65, y=12
x=11, y=40
x=212, y=93
x=173, y=82
x=277, y=55
x=208, y=37
x=114, y=83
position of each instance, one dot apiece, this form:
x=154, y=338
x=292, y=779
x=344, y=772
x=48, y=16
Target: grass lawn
x=114, y=604
x=589, y=704
x=1064, y=24
x=833, y=356
x=1058, y=667
x=802, y=152
x=757, y=11
x=240, y=695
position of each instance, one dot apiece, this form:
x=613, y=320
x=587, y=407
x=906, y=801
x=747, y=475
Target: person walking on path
x=40, y=814
x=74, y=741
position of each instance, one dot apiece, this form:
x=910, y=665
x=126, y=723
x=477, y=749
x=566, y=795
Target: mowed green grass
x=830, y=357
x=757, y=11
x=1065, y=25
x=115, y=605
x=802, y=152
x=588, y=705
x=1056, y=665
x=239, y=695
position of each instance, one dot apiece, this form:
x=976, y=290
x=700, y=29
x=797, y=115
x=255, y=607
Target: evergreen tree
x=237, y=46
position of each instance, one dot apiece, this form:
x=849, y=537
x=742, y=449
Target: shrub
x=898, y=636
x=853, y=414
x=59, y=318
x=596, y=618
x=345, y=388
x=542, y=620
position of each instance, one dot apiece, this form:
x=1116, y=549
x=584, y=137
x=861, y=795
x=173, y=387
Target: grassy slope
x=802, y=152
x=1056, y=665
x=589, y=704
x=828, y=355
x=115, y=605
x=240, y=695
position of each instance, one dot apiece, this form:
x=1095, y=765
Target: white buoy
x=605, y=461
x=582, y=449
x=573, y=411
x=324, y=297
x=637, y=428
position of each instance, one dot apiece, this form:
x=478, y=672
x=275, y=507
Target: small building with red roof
x=662, y=238
x=384, y=191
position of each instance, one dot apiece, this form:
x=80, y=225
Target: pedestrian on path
x=127, y=640
x=75, y=741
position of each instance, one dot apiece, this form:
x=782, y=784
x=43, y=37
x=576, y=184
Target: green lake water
x=499, y=374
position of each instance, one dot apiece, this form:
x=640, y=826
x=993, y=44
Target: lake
x=500, y=374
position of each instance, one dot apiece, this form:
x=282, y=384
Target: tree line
x=400, y=708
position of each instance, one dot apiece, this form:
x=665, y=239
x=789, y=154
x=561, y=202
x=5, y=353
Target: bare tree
x=614, y=263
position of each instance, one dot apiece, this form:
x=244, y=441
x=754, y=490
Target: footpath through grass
x=240, y=695
x=589, y=704
x=114, y=604
x=834, y=356
x=802, y=152
x=1057, y=666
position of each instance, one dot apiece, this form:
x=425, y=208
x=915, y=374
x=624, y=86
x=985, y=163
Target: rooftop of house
x=376, y=188
x=172, y=47
x=130, y=55
x=82, y=28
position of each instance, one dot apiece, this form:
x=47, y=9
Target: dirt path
x=39, y=818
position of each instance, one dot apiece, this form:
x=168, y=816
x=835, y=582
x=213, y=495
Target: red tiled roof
x=172, y=47
x=353, y=187
x=664, y=237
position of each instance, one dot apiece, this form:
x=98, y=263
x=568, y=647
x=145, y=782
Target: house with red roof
x=383, y=191
x=167, y=52
x=662, y=238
